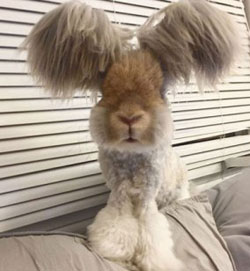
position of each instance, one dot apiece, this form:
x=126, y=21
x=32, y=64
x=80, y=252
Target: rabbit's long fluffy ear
x=191, y=35
x=72, y=46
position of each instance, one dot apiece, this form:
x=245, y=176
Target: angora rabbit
x=133, y=128
x=75, y=46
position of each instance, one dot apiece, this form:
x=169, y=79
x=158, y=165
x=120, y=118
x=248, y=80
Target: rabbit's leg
x=114, y=232
x=155, y=246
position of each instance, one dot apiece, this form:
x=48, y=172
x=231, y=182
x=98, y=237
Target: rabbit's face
x=132, y=114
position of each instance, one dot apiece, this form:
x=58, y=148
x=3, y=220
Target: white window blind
x=49, y=174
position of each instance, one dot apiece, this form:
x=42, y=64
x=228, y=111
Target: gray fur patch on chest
x=130, y=166
x=155, y=174
x=141, y=170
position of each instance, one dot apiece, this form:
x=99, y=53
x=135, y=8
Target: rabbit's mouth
x=131, y=140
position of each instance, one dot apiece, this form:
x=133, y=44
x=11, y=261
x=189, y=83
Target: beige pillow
x=197, y=243
x=231, y=209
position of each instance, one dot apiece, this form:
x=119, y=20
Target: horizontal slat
x=16, y=170
x=52, y=212
x=49, y=190
x=232, y=9
x=208, y=136
x=210, y=152
x=25, y=5
x=9, y=15
x=209, y=104
x=43, y=141
x=235, y=3
x=38, y=105
x=204, y=132
x=48, y=202
x=15, y=93
x=223, y=153
x=10, y=41
x=187, y=97
x=43, y=117
x=12, y=67
x=198, y=114
x=49, y=152
x=49, y=177
x=187, y=124
x=12, y=54
x=201, y=147
x=12, y=132
x=193, y=89
x=204, y=171
x=238, y=79
x=236, y=152
x=16, y=80
x=18, y=29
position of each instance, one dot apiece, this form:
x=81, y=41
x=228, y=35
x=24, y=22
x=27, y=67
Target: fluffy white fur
x=155, y=245
x=141, y=242
x=130, y=229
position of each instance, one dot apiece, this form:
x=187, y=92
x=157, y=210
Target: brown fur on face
x=131, y=90
x=137, y=76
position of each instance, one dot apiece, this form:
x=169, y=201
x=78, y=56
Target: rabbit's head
x=76, y=47
x=133, y=113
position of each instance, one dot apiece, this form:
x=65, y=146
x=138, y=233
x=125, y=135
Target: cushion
x=231, y=208
x=197, y=243
x=50, y=252
x=197, y=240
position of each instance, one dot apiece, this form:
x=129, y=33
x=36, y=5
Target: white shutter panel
x=49, y=176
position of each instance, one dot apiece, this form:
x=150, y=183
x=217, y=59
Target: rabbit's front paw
x=114, y=236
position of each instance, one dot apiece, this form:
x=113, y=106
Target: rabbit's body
x=130, y=229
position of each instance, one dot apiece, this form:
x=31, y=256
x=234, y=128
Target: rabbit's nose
x=130, y=120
